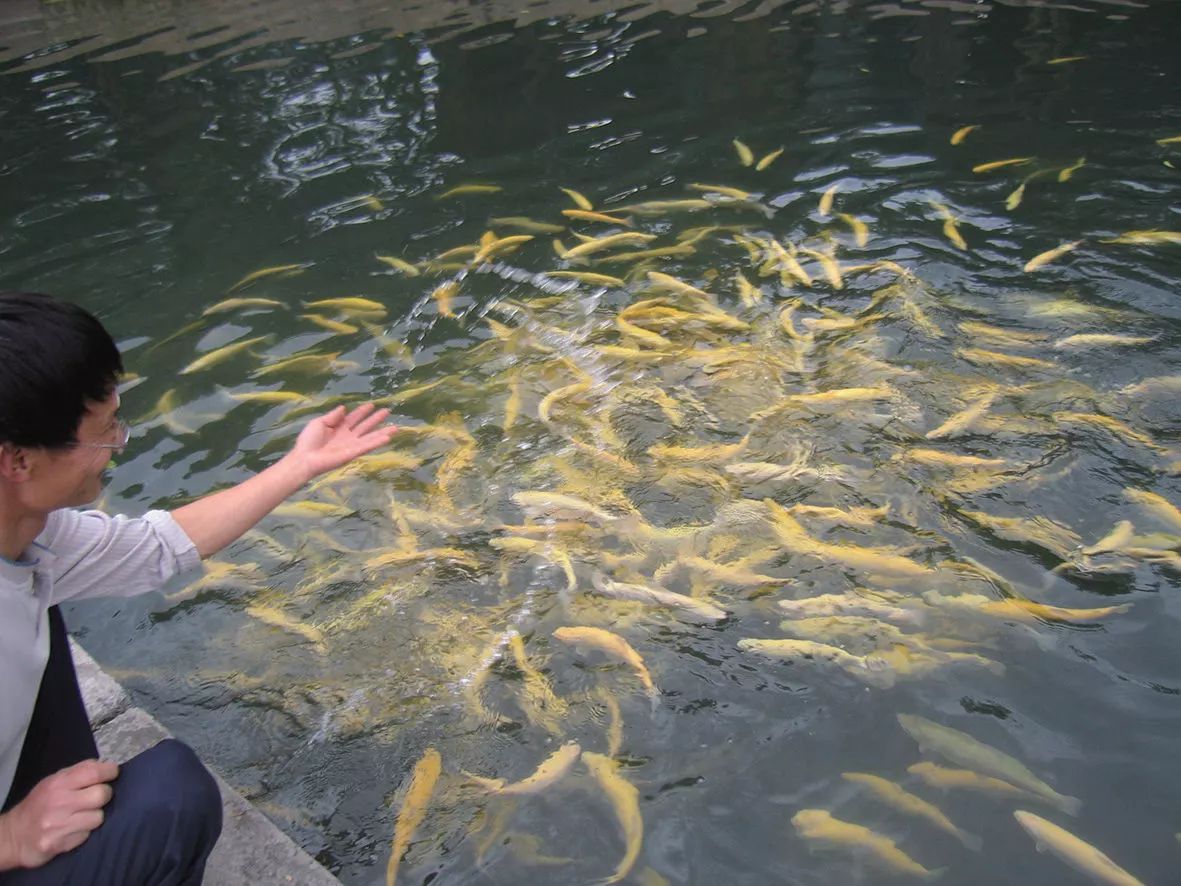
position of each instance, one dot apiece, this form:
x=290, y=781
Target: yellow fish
x=724, y=190
x=460, y=190
x=414, y=806
x=818, y=825
x=1101, y=340
x=225, y=352
x=233, y=304
x=580, y=201
x=963, y=132
x=859, y=228
x=444, y=295
x=981, y=355
x=1157, y=505
x=625, y=800
x=1064, y=175
x=768, y=159
x=552, y=770
x=588, y=277
x=1014, y=199
x=661, y=597
x=867, y=669
x=964, y=419
x=1064, y=59
x=312, y=509
x=1001, y=164
x=273, y=617
x=961, y=748
x=824, y=207
x=946, y=779
x=525, y=223
x=612, y=645
x=498, y=245
x=1169, y=140
x=331, y=325
x=1112, y=425
x=271, y=397
x=745, y=155
x=609, y=242
x=351, y=305
x=300, y=363
x=284, y=270
x=904, y=801
x=952, y=232
x=1146, y=238
x=588, y=215
x=399, y=264
x=717, y=452
x=832, y=270
x=1080, y=855
x=1044, y=258
x=642, y=254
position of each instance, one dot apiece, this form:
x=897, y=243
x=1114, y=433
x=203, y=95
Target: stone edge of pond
x=251, y=849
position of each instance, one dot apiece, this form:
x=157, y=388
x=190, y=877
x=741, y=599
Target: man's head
x=58, y=372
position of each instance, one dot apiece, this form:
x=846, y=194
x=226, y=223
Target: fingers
x=89, y=772
x=368, y=424
x=85, y=821
x=358, y=415
x=333, y=418
x=94, y=797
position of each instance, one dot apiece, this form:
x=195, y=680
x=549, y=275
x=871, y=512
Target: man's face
x=74, y=476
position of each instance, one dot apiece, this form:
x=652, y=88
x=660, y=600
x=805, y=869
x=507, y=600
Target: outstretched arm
x=326, y=443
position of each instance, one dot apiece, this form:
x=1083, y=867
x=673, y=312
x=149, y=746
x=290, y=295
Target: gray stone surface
x=105, y=699
x=251, y=849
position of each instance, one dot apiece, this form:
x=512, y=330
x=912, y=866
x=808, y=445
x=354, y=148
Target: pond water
x=850, y=398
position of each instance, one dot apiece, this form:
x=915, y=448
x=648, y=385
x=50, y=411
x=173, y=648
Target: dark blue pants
x=165, y=813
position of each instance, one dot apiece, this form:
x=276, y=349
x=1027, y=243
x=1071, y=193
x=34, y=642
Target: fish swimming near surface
x=1077, y=853
x=963, y=132
x=819, y=826
x=415, y=802
x=745, y=155
x=612, y=645
x=625, y=800
x=553, y=769
x=1044, y=258
x=904, y=801
x=959, y=747
x=767, y=159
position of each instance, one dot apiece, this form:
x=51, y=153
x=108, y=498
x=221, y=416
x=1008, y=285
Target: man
x=69, y=817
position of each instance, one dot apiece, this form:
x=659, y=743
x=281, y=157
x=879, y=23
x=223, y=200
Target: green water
x=150, y=158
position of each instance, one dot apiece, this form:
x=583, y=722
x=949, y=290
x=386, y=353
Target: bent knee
x=184, y=787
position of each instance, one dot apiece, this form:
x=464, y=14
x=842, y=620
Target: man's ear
x=15, y=463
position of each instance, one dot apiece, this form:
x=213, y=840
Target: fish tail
x=1069, y=805
x=935, y=874
x=970, y=841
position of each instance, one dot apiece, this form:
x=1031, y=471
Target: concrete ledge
x=251, y=849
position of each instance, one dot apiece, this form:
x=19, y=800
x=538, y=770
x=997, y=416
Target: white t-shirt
x=79, y=554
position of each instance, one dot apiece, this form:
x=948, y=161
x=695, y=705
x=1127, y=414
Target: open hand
x=58, y=814
x=335, y=439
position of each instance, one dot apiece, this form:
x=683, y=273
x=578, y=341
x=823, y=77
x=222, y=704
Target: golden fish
x=271, y=397
x=225, y=352
x=461, y=190
x=588, y=215
x=609, y=242
x=1038, y=530
x=767, y=159
x=625, y=800
x=526, y=224
x=312, y=509
x=642, y=254
x=717, y=452
x=1101, y=340
x=1014, y=199
x=1001, y=164
x=545, y=709
x=952, y=232
x=285, y=270
x=1146, y=238
x=832, y=270
x=299, y=363
x=444, y=295
x=556, y=505
x=546, y=406
x=1011, y=337
x=402, y=558
x=273, y=617
x=938, y=458
x=1064, y=59
x=587, y=277
x=964, y=419
x=499, y=245
x=724, y=190
x=1157, y=505
x=824, y=207
x=552, y=770
x=963, y=132
x=981, y=355
x=661, y=597
x=745, y=155
x=946, y=779
x=233, y=304
x=1112, y=425
x=1044, y=258
x=399, y=264
x=904, y=801
x=1169, y=140
x=859, y=228
x=868, y=669
x=1064, y=175
x=660, y=207
x=612, y=645
x=1080, y=855
x=818, y=825
x=580, y=201
x=961, y=748
x=414, y=806
x=331, y=325
x=458, y=252
x=352, y=305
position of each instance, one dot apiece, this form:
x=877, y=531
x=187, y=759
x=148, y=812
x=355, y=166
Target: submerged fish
x=284, y=270
x=463, y=190
x=225, y=352
x=552, y=770
x=1044, y=258
x=961, y=748
x=904, y=801
x=1080, y=855
x=612, y=645
x=767, y=159
x=625, y=800
x=579, y=200
x=415, y=802
x=963, y=132
x=235, y=304
x=745, y=155
x=818, y=826
x=661, y=597
x=946, y=779
x=1001, y=164
x=867, y=669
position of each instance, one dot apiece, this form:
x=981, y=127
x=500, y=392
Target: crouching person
x=69, y=817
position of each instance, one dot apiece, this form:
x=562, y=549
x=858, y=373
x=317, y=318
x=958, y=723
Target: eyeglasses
x=123, y=434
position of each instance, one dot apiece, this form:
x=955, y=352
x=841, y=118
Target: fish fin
x=971, y=841
x=935, y=874
x=1070, y=805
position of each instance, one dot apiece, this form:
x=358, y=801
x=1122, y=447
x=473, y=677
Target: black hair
x=55, y=359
